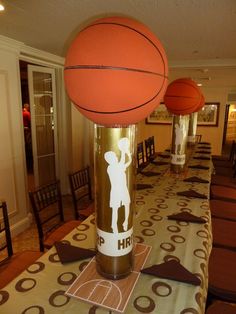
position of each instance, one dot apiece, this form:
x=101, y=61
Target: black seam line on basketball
x=121, y=111
x=133, y=29
x=108, y=67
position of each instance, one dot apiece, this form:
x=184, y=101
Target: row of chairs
x=47, y=207
x=222, y=271
x=145, y=152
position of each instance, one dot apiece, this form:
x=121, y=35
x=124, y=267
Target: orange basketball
x=182, y=96
x=201, y=104
x=116, y=71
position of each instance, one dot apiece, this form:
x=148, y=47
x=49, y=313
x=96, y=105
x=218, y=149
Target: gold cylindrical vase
x=192, y=129
x=179, y=140
x=114, y=199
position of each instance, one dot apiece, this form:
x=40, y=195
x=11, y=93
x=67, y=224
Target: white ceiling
x=193, y=32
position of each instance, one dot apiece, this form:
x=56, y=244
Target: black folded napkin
x=69, y=253
x=186, y=216
x=204, y=143
x=191, y=193
x=201, y=158
x=208, y=148
x=172, y=270
x=159, y=163
x=142, y=186
x=199, y=167
x=195, y=179
x=150, y=173
x=202, y=152
x=164, y=156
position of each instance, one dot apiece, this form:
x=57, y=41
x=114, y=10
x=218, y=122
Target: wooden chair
x=223, y=210
x=150, y=149
x=223, y=193
x=224, y=233
x=222, y=274
x=219, y=307
x=225, y=157
x=11, y=265
x=141, y=163
x=198, y=138
x=47, y=208
x=81, y=191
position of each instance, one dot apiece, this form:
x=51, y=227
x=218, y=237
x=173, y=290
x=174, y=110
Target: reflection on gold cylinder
x=179, y=140
x=114, y=199
x=192, y=129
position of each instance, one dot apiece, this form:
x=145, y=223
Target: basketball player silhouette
x=119, y=194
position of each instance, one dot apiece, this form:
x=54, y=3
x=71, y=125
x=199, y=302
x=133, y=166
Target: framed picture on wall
x=160, y=116
x=209, y=114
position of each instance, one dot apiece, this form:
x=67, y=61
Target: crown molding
x=203, y=63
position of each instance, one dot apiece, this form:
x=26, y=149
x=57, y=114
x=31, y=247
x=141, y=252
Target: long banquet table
x=40, y=288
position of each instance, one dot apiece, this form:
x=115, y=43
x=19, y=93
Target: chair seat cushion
x=60, y=232
x=220, y=307
x=223, y=193
x=224, y=233
x=223, y=209
x=222, y=274
x=222, y=163
x=16, y=265
x=223, y=180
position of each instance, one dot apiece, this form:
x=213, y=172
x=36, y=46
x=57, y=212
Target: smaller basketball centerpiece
x=115, y=74
x=182, y=98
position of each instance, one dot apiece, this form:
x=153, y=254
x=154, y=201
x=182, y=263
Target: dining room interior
x=181, y=187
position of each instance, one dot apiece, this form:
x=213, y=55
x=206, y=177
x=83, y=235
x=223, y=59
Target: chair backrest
x=81, y=187
x=6, y=250
x=198, y=138
x=47, y=208
x=140, y=154
x=232, y=152
x=150, y=148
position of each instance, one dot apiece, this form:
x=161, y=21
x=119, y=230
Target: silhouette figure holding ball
x=119, y=194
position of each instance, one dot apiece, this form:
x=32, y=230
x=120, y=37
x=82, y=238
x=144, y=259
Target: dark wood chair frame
x=5, y=229
x=42, y=198
x=81, y=187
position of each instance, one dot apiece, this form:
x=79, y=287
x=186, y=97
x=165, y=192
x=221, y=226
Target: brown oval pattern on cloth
x=161, y=289
x=60, y=294
x=166, y=246
x=199, y=298
x=140, y=202
x=156, y=217
x=182, y=204
x=189, y=310
x=160, y=200
x=182, y=223
x=148, y=232
x=138, y=239
x=185, y=209
x=83, y=265
x=36, y=268
x=4, y=296
x=54, y=258
x=69, y=281
x=202, y=234
x=82, y=227
x=173, y=228
x=162, y=206
x=146, y=223
x=200, y=276
x=144, y=309
x=200, y=253
x=170, y=193
x=153, y=210
x=79, y=237
x=28, y=309
x=178, y=239
x=168, y=258
x=19, y=285
x=92, y=221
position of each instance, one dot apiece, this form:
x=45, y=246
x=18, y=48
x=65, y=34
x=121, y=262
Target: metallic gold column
x=114, y=199
x=192, y=129
x=179, y=140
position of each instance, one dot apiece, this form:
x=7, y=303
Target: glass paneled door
x=42, y=94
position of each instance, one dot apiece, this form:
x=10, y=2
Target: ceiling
x=199, y=36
